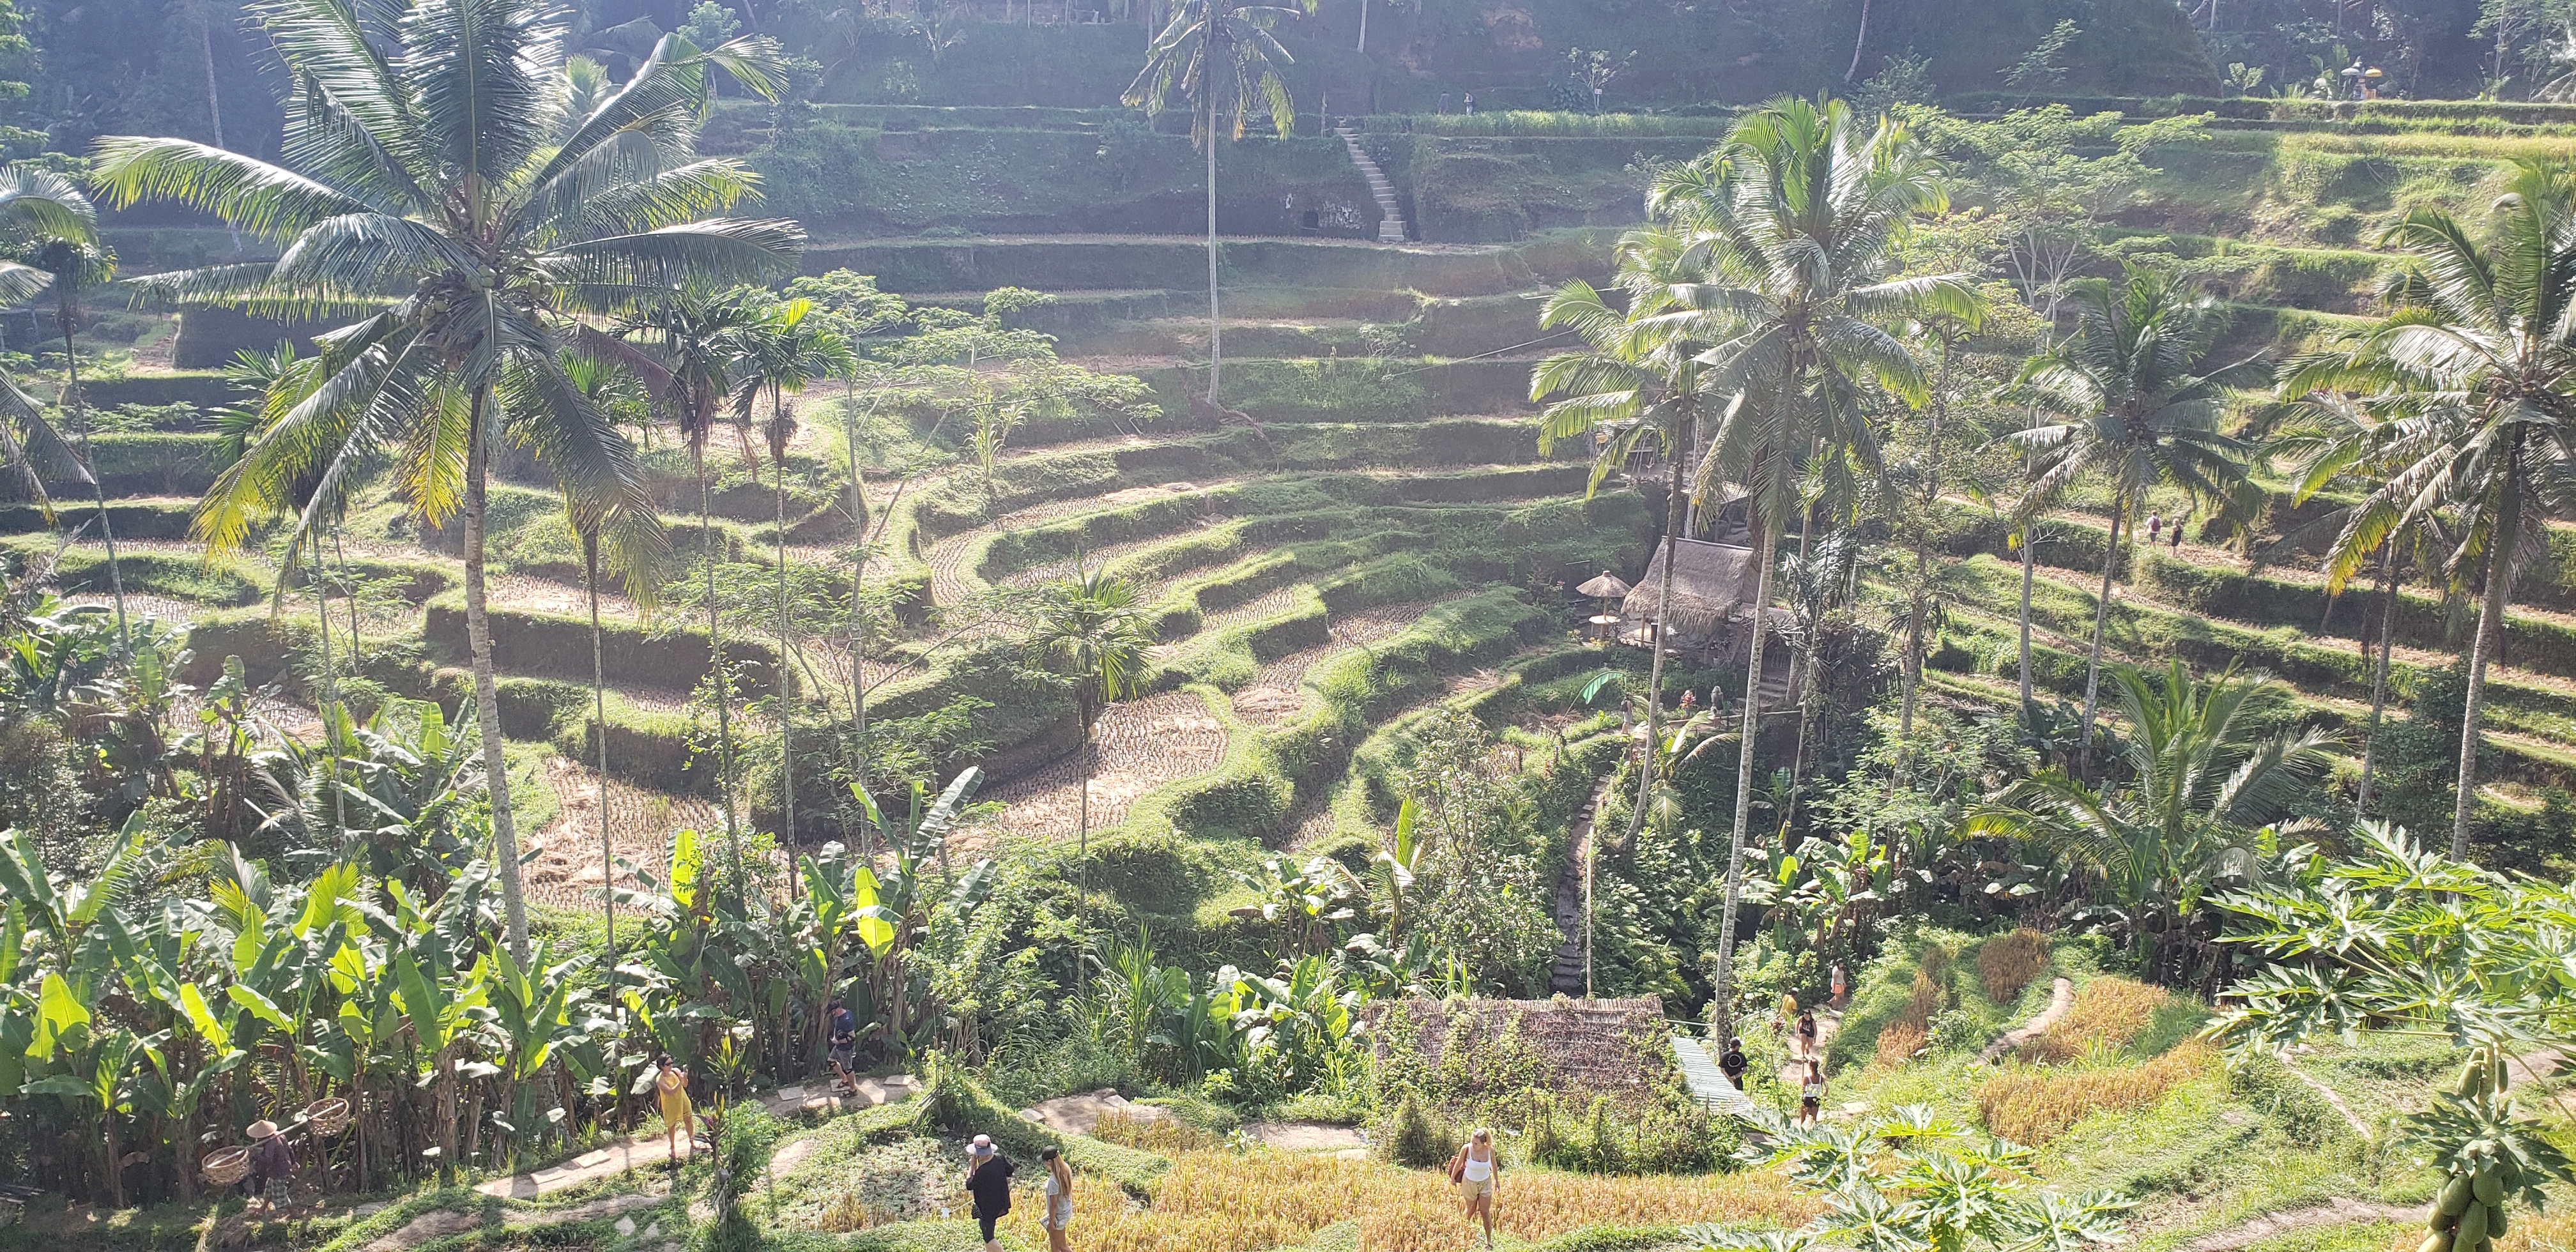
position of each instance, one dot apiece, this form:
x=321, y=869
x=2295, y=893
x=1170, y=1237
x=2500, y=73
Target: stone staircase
x=1567, y=979
x=1390, y=225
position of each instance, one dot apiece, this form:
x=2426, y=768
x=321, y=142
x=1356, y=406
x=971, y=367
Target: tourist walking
x=1839, y=984
x=845, y=1045
x=679, y=1121
x=1475, y=1169
x=1733, y=1063
x=1059, y=1199
x=1807, y=1035
x=988, y=1180
x=272, y=1166
x=1811, y=1093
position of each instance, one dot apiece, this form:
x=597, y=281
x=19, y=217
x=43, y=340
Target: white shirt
x=1479, y=1171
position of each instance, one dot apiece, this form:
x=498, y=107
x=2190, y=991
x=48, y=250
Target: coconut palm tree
x=1091, y=630
x=1633, y=383
x=2202, y=776
x=74, y=261
x=780, y=354
x=422, y=182
x=2468, y=384
x=1791, y=226
x=693, y=378
x=1224, y=59
x=2123, y=397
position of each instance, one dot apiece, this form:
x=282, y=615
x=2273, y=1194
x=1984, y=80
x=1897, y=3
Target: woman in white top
x=1475, y=1170
x=1059, y=1199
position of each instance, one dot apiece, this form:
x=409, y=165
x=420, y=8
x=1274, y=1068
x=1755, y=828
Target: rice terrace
x=1336, y=626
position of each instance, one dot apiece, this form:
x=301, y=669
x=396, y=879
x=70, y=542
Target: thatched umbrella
x=1606, y=588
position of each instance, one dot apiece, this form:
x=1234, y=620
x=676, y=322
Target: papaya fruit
x=2435, y=1242
x=2495, y=1221
x=2456, y=1196
x=2473, y=1227
x=2488, y=1186
x=2439, y=1222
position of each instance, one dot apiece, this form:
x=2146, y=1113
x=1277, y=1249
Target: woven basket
x=325, y=1118
x=226, y=1166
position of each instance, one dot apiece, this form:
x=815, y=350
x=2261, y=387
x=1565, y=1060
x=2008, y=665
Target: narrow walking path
x=644, y=1152
x=2340, y=1211
x=1568, y=977
x=2061, y=997
x=1829, y=1022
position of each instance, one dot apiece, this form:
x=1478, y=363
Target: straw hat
x=262, y=1129
x=983, y=1146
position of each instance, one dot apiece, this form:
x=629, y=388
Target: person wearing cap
x=845, y=1045
x=272, y=1165
x=988, y=1180
x=1733, y=1064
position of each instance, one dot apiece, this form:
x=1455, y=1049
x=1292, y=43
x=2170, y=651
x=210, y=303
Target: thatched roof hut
x=1712, y=582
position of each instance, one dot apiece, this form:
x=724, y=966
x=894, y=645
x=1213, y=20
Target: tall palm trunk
x=2026, y=560
x=2379, y=674
x=1917, y=598
x=487, y=699
x=599, y=711
x=2101, y=622
x=330, y=698
x=98, y=487
x=1744, y=753
x=786, y=713
x=1364, y=4
x=724, y=680
x=2499, y=593
x=858, y=630
x=1676, y=516
x=1216, y=327
x=1859, y=41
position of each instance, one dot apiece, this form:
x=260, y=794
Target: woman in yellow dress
x=671, y=1087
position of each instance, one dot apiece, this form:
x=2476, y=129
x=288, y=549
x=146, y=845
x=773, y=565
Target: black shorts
x=987, y=1224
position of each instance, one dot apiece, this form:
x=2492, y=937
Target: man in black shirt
x=988, y=1179
x=1734, y=1063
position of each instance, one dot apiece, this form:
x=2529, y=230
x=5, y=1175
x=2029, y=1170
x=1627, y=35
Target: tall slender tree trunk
x=330, y=699
x=599, y=712
x=487, y=708
x=1216, y=327
x=2499, y=594
x=2027, y=535
x=1859, y=41
x=786, y=710
x=2379, y=673
x=2101, y=622
x=1676, y=514
x=98, y=486
x=1364, y=4
x=858, y=628
x=1745, y=751
x=724, y=681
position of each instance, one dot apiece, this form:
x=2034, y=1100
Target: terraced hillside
x=1380, y=538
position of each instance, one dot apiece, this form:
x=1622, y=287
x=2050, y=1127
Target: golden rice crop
x=2035, y=1105
x=1217, y=1201
x=1163, y=1135
x=2111, y=1010
x=2530, y=1232
x=2007, y=963
x=1898, y=1041
x=1426, y=1215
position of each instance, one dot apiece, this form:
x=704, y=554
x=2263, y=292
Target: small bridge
x=1708, y=1083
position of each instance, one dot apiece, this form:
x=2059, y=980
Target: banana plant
x=531, y=1016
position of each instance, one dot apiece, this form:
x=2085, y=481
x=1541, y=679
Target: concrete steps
x=1390, y=226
